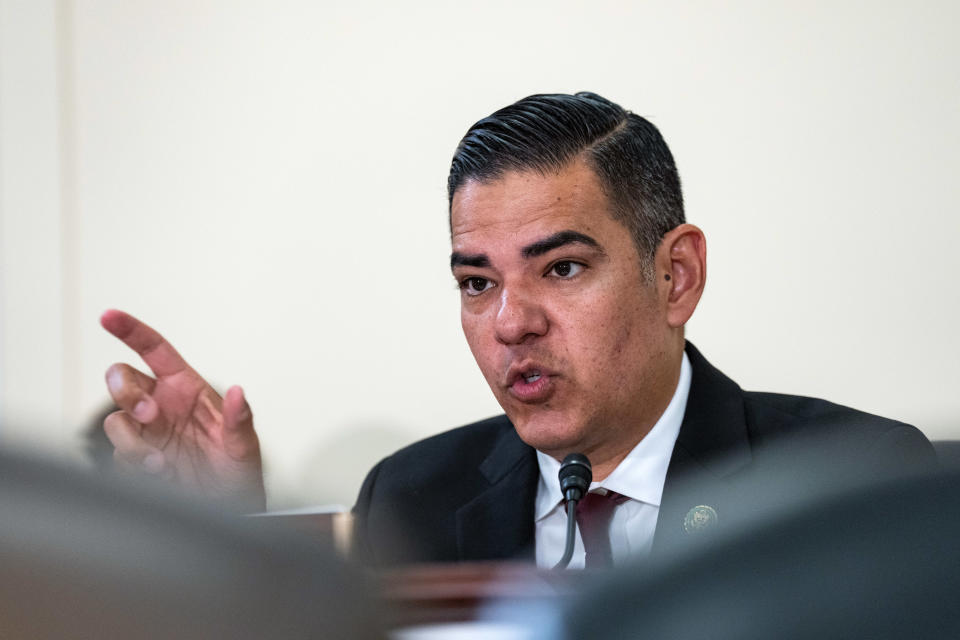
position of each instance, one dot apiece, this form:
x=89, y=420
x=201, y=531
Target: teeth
x=532, y=377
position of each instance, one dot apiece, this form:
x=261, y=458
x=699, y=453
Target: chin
x=550, y=434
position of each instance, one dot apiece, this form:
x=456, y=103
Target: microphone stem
x=571, y=535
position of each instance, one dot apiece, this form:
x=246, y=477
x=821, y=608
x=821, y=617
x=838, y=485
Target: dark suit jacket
x=468, y=494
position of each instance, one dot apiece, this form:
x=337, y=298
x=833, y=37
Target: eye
x=565, y=269
x=475, y=285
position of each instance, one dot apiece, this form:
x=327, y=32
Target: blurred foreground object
x=855, y=560
x=327, y=525
x=428, y=595
x=948, y=453
x=82, y=557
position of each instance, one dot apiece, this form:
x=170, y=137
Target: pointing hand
x=176, y=425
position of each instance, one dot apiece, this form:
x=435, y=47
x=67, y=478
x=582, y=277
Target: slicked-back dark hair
x=546, y=132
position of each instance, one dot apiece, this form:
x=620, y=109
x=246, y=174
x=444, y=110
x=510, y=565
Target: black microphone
x=575, y=477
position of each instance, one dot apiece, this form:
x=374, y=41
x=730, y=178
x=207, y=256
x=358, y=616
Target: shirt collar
x=641, y=475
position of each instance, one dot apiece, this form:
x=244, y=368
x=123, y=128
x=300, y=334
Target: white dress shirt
x=639, y=477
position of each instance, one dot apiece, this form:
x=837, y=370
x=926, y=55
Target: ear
x=681, y=264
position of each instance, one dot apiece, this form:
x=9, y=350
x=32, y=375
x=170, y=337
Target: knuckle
x=247, y=448
x=116, y=422
x=119, y=381
x=115, y=417
x=118, y=370
x=113, y=423
x=133, y=454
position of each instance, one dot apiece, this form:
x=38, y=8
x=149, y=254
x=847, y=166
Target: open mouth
x=533, y=385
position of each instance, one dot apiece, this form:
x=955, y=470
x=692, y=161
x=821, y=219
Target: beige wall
x=264, y=182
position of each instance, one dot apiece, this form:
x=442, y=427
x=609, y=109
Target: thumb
x=239, y=437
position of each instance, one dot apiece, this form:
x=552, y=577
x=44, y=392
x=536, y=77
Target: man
x=577, y=274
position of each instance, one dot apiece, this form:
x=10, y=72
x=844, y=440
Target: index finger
x=159, y=354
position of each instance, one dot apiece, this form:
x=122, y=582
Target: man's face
x=571, y=338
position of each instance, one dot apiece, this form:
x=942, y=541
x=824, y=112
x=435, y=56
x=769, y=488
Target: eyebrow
x=556, y=240
x=533, y=250
x=478, y=261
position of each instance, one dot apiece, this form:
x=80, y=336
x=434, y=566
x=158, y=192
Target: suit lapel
x=498, y=523
x=713, y=445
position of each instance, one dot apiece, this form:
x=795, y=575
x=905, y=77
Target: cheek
x=618, y=332
x=588, y=341
x=474, y=330
x=638, y=340
x=471, y=331
x=623, y=335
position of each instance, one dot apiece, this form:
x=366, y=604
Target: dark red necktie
x=594, y=513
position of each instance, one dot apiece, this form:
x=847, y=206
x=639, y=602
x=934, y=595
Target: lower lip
x=537, y=391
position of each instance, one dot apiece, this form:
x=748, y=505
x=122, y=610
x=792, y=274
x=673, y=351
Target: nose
x=519, y=318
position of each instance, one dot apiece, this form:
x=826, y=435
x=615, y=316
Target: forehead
x=524, y=205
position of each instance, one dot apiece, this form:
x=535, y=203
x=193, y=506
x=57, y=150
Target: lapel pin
x=700, y=518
